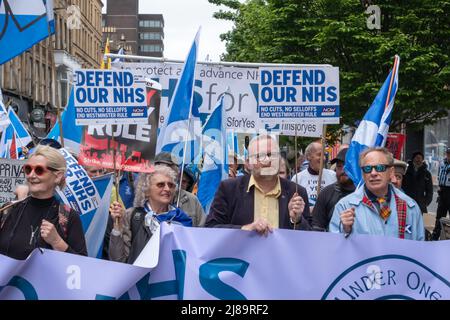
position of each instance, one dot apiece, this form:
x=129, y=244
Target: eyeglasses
x=38, y=170
x=264, y=155
x=161, y=185
x=378, y=168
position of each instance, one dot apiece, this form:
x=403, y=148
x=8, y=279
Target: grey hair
x=55, y=160
x=144, y=182
x=311, y=148
x=386, y=152
x=263, y=137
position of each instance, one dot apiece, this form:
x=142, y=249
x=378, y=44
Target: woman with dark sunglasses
x=40, y=221
x=134, y=227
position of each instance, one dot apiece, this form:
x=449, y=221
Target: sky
x=182, y=18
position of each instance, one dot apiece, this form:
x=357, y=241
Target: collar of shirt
x=148, y=209
x=276, y=191
x=373, y=198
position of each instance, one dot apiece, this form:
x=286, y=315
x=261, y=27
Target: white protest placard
x=295, y=95
x=109, y=97
x=11, y=175
x=80, y=191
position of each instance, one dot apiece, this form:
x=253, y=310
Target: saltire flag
x=374, y=127
x=72, y=133
x=106, y=61
x=4, y=121
x=8, y=147
x=215, y=168
x=50, y=15
x=90, y=198
x=122, y=52
x=22, y=25
x=179, y=132
x=22, y=135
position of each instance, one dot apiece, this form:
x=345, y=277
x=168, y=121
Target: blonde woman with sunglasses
x=40, y=221
x=134, y=227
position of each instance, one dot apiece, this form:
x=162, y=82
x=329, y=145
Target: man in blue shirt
x=376, y=207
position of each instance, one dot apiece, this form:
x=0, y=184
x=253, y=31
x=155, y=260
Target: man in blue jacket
x=376, y=207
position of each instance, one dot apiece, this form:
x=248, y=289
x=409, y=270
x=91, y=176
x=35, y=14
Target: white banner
x=230, y=264
x=241, y=101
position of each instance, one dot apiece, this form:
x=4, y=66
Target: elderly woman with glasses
x=134, y=227
x=39, y=220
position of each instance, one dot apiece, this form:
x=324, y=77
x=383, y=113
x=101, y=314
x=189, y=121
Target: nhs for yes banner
x=241, y=101
x=194, y=263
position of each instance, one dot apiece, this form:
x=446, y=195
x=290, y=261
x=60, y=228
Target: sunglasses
x=378, y=168
x=38, y=170
x=161, y=185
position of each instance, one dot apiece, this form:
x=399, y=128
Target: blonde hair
x=144, y=181
x=55, y=160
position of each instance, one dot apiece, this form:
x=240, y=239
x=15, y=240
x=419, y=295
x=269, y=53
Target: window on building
x=150, y=48
x=150, y=36
x=150, y=24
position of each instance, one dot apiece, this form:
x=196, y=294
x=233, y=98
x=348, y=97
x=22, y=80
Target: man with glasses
x=261, y=201
x=376, y=207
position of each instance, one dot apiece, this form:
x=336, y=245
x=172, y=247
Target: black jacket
x=19, y=230
x=418, y=185
x=233, y=206
x=327, y=199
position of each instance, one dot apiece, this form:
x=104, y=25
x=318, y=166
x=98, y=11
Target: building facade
x=39, y=80
x=139, y=34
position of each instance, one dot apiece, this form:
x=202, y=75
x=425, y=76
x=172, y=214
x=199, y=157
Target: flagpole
x=296, y=174
x=319, y=182
x=57, y=102
x=184, y=155
x=391, y=81
x=113, y=129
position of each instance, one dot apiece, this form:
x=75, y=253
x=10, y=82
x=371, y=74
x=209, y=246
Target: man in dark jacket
x=330, y=195
x=260, y=201
x=417, y=181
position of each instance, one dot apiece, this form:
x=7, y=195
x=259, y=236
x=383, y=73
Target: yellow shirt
x=266, y=204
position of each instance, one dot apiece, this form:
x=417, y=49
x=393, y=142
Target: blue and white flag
x=50, y=15
x=117, y=60
x=374, y=127
x=90, y=198
x=4, y=121
x=22, y=24
x=179, y=129
x=72, y=133
x=8, y=145
x=215, y=168
x=22, y=134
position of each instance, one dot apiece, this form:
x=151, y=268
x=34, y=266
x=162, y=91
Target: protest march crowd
x=260, y=195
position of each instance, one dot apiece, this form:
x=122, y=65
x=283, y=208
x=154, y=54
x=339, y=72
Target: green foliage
x=335, y=32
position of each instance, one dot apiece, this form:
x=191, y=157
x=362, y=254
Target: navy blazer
x=233, y=206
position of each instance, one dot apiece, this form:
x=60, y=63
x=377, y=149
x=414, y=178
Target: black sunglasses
x=378, y=168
